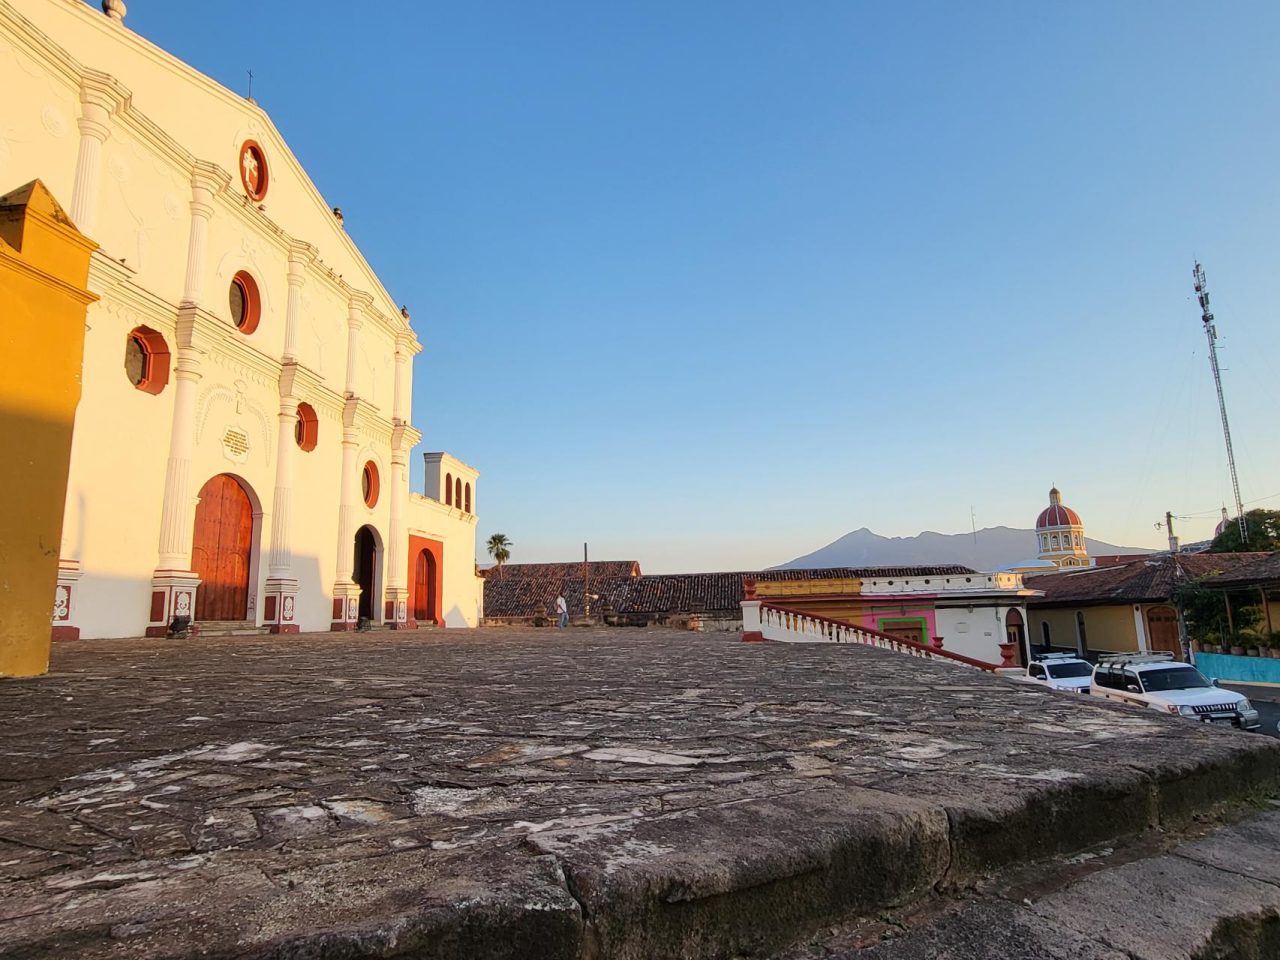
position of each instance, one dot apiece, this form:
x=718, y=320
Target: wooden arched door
x=424, y=588
x=1162, y=631
x=221, y=550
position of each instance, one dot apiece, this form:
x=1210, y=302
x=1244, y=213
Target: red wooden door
x=420, y=608
x=220, y=550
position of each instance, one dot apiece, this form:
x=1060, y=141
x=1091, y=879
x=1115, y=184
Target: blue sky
x=710, y=284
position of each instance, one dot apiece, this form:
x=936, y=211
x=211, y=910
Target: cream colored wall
x=40, y=107
x=1109, y=629
x=462, y=599
x=173, y=120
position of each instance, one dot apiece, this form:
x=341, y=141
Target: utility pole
x=1168, y=525
x=586, y=594
x=1211, y=332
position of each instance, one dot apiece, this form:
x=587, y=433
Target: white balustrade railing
x=790, y=626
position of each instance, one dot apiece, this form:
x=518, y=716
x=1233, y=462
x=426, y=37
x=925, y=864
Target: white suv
x=1158, y=681
x=1060, y=671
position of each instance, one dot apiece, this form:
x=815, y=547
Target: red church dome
x=1056, y=515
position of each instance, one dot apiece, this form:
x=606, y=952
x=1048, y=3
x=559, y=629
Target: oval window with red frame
x=306, y=431
x=245, y=302
x=253, y=170
x=369, y=484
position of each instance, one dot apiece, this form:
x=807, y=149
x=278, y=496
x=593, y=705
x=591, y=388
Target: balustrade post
x=751, y=621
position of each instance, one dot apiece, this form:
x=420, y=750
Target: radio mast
x=1211, y=331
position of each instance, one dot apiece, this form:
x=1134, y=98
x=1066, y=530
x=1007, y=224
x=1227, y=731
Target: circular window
x=307, y=428
x=146, y=360
x=369, y=484
x=253, y=170
x=245, y=303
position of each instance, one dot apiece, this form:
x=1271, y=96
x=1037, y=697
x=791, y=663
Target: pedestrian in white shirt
x=562, y=610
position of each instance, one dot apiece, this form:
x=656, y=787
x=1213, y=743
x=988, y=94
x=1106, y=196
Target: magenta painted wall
x=872, y=619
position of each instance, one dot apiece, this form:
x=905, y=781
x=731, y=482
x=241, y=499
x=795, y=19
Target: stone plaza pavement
x=542, y=793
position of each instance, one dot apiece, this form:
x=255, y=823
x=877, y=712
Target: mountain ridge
x=988, y=549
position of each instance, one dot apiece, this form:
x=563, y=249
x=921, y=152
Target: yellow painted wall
x=44, y=269
x=1108, y=629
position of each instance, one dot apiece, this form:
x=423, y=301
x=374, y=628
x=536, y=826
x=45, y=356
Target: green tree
x=499, y=548
x=1264, y=533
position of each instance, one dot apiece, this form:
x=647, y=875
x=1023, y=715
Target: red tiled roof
x=595, y=568
x=528, y=596
x=1263, y=569
x=1143, y=581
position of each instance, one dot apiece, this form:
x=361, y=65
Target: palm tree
x=499, y=548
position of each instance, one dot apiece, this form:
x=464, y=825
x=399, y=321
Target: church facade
x=240, y=454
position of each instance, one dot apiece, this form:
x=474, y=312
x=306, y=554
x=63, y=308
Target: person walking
x=562, y=610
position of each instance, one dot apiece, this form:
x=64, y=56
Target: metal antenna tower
x=1211, y=331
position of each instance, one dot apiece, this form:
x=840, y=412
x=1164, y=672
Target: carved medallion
x=253, y=170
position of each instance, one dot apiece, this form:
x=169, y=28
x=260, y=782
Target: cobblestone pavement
x=531, y=792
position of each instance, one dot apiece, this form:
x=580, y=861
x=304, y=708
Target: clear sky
x=709, y=284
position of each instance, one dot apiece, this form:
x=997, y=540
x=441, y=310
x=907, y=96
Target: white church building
x=241, y=449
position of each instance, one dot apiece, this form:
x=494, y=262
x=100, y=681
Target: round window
x=246, y=305
x=253, y=170
x=369, y=484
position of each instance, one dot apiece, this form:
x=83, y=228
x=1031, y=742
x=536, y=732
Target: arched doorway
x=365, y=572
x=222, y=550
x=1015, y=633
x=424, y=588
x=1162, y=631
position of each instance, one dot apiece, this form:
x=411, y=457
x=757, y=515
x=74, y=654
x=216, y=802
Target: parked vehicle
x=1158, y=681
x=1060, y=671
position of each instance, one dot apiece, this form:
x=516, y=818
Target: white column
x=397, y=548
x=400, y=398
x=178, y=510
x=355, y=320
x=281, y=554
x=98, y=100
x=1140, y=629
x=203, y=188
x=174, y=583
x=346, y=506
x=281, y=526
x=298, y=257
x=396, y=577
x=344, y=589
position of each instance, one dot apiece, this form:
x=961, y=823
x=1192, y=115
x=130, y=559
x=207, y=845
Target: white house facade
x=241, y=448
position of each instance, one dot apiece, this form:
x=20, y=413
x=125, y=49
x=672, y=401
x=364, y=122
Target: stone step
x=230, y=628
x=1217, y=895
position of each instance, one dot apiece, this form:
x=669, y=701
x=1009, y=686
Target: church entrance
x=1162, y=631
x=365, y=572
x=221, y=549
x=424, y=588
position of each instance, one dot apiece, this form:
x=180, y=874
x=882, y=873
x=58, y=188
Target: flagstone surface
x=508, y=792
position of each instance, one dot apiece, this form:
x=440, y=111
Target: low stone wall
x=1239, y=669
